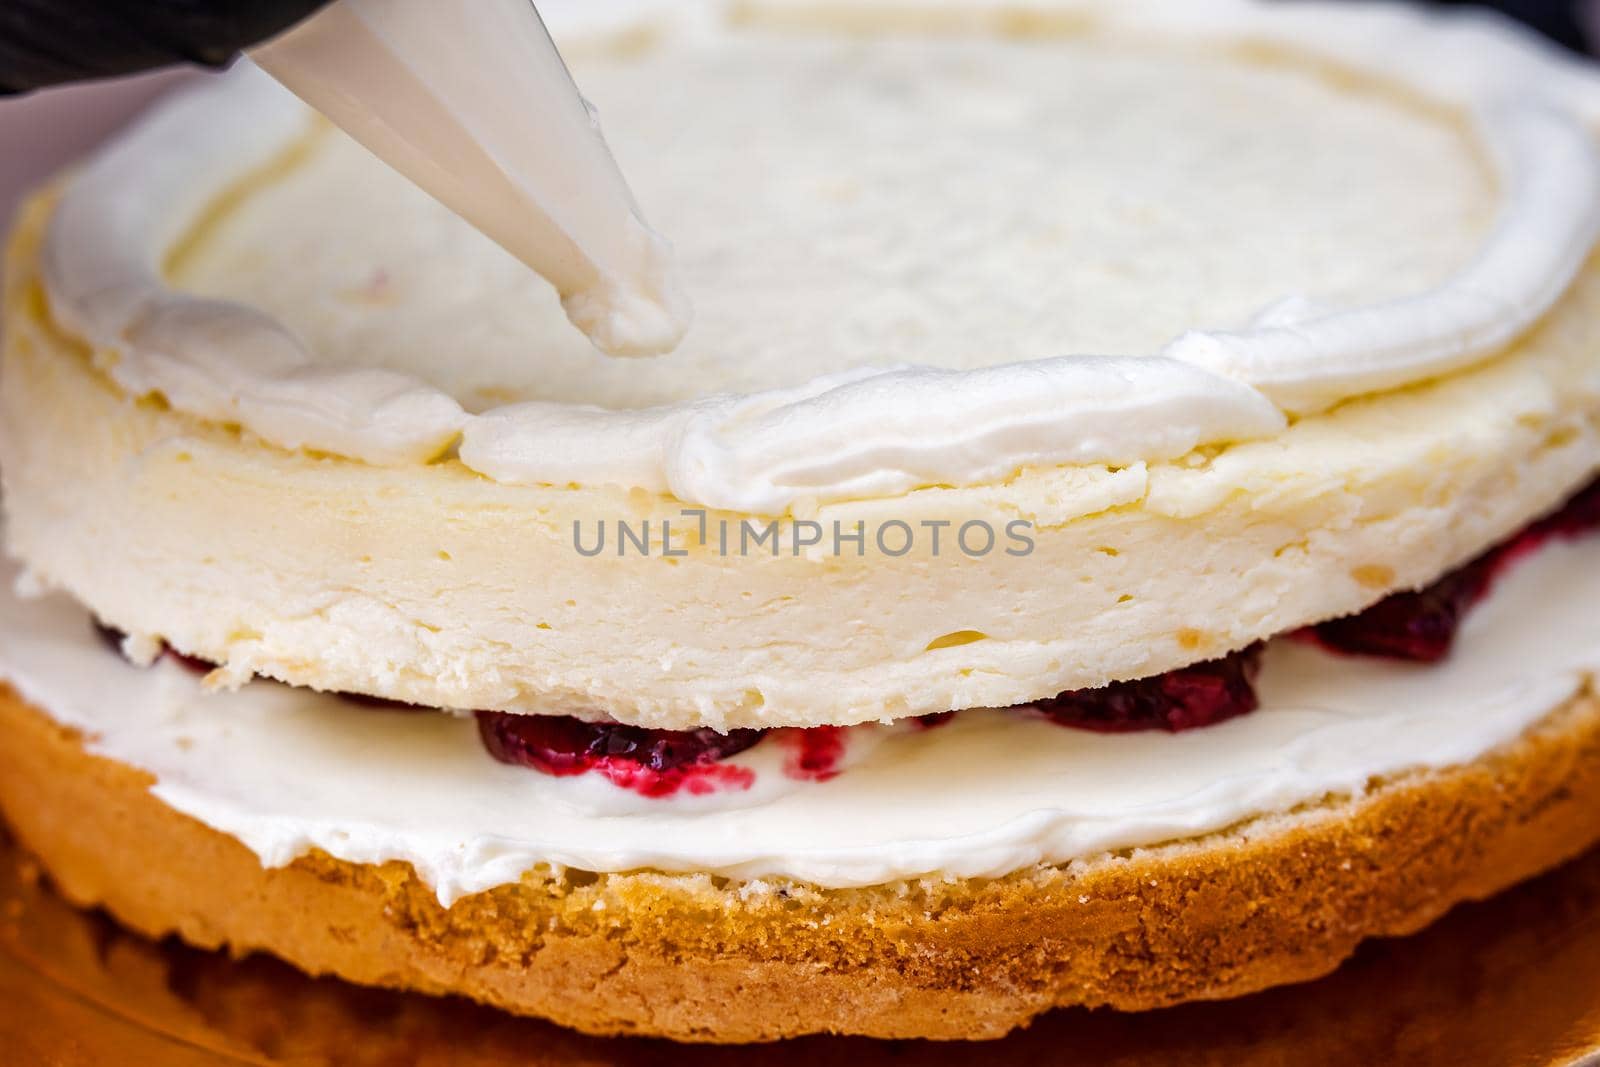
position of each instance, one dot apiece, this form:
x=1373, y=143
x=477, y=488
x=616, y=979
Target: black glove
x=45, y=42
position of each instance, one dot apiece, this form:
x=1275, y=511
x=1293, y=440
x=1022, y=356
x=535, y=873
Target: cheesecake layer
x=997, y=539
x=437, y=586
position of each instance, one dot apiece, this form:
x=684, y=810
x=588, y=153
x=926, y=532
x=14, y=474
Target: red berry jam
x=815, y=753
x=1419, y=626
x=1184, y=699
x=1422, y=626
x=654, y=763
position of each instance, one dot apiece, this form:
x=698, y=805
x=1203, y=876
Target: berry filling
x=654, y=763
x=815, y=753
x=1421, y=626
x=1184, y=699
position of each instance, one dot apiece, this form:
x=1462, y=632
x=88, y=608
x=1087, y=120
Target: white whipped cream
x=480, y=111
x=286, y=770
x=846, y=434
x=879, y=429
x=217, y=360
x=1549, y=164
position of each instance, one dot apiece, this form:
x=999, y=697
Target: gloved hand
x=46, y=42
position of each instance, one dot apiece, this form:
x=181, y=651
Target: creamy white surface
x=1060, y=237
x=285, y=770
x=1436, y=306
x=216, y=359
x=480, y=112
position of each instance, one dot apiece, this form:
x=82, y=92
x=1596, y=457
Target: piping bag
x=467, y=98
x=472, y=102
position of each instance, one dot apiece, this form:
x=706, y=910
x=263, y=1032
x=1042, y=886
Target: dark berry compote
x=1183, y=699
x=653, y=763
x=1421, y=626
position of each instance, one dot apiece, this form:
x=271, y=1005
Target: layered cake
x=1117, y=532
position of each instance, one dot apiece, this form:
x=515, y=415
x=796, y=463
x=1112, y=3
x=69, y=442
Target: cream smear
x=888, y=420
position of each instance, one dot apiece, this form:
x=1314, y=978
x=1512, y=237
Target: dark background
x=1572, y=22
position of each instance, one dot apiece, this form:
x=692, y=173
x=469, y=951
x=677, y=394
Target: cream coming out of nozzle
x=482, y=114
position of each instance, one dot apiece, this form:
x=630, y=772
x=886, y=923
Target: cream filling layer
x=865, y=432
x=287, y=770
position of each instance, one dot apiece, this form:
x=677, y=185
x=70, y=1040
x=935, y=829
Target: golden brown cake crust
x=1276, y=900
